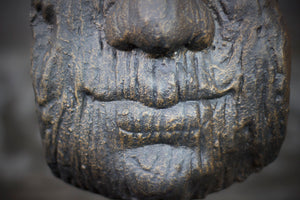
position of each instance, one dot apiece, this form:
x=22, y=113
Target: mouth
x=160, y=101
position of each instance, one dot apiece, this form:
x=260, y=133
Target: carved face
x=198, y=100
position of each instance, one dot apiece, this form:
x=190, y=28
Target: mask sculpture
x=159, y=99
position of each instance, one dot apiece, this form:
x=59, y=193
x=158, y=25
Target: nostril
x=201, y=41
x=156, y=51
x=124, y=46
x=171, y=25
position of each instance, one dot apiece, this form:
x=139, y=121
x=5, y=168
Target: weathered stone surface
x=159, y=121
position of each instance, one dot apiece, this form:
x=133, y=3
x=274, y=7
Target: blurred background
x=23, y=171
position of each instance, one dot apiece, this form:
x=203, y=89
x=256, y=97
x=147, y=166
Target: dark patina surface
x=159, y=99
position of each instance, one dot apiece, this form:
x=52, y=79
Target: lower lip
x=181, y=125
x=140, y=125
x=205, y=124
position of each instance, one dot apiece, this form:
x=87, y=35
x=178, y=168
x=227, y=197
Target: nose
x=159, y=26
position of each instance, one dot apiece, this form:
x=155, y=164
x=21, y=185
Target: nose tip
x=159, y=26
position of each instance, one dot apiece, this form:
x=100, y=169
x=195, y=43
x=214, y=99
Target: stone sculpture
x=159, y=99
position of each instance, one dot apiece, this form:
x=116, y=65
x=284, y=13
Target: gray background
x=23, y=172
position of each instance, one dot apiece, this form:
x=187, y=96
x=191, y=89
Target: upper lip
x=161, y=100
x=167, y=103
x=159, y=83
